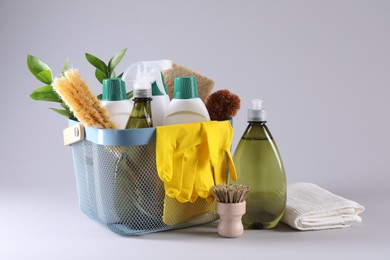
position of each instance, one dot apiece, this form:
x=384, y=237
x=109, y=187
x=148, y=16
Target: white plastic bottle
x=186, y=106
x=151, y=71
x=160, y=100
x=114, y=99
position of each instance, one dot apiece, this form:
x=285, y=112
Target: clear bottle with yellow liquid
x=259, y=166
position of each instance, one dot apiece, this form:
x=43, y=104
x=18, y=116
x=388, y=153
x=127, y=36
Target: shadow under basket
x=118, y=184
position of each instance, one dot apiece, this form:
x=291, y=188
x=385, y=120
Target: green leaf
x=120, y=75
x=100, y=75
x=113, y=75
x=50, y=96
x=100, y=96
x=45, y=76
x=64, y=105
x=114, y=61
x=45, y=93
x=129, y=95
x=97, y=63
x=36, y=67
x=63, y=112
x=65, y=68
x=48, y=88
x=70, y=113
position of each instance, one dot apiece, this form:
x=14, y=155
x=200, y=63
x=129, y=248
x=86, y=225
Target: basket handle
x=73, y=134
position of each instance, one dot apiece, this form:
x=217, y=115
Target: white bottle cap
x=256, y=113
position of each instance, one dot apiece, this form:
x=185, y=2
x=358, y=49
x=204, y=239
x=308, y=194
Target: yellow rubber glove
x=204, y=179
x=191, y=158
x=176, y=159
x=219, y=139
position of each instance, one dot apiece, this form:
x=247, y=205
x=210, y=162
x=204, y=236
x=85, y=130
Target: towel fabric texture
x=310, y=207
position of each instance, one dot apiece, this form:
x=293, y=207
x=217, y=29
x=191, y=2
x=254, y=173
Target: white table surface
x=46, y=224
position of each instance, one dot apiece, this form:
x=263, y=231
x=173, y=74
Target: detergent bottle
x=186, y=106
x=259, y=166
x=114, y=99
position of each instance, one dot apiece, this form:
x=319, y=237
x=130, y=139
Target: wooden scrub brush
x=81, y=101
x=223, y=105
x=231, y=206
x=230, y=193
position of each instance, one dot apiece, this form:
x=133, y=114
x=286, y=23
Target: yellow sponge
x=205, y=85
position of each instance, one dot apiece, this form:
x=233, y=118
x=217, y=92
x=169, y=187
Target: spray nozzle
x=256, y=113
x=256, y=104
x=142, y=74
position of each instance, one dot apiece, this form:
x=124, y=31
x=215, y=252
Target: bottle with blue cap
x=186, y=106
x=114, y=99
x=259, y=165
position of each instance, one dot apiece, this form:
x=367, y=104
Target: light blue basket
x=117, y=180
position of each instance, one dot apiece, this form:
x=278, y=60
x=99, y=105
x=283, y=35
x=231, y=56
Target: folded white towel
x=310, y=207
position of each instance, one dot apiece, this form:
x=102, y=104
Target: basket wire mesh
x=119, y=187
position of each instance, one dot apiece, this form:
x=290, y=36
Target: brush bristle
x=230, y=193
x=205, y=85
x=81, y=101
x=223, y=105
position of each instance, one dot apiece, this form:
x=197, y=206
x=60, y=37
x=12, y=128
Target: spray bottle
x=148, y=75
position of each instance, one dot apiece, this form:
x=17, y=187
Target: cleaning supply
x=259, y=165
x=219, y=142
x=75, y=92
x=222, y=105
x=185, y=167
x=310, y=207
x=180, y=160
x=205, y=85
x=231, y=205
x=160, y=100
x=141, y=114
x=186, y=106
x=230, y=193
x=114, y=99
x=148, y=75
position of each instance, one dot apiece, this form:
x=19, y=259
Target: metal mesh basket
x=118, y=184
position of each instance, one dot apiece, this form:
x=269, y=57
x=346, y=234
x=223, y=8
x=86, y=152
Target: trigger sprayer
x=146, y=78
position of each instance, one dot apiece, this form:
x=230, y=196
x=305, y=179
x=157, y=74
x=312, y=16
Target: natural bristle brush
x=81, y=101
x=231, y=206
x=222, y=105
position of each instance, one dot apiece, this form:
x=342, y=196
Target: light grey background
x=321, y=67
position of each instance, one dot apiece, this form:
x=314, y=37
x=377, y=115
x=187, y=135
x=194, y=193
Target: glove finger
x=165, y=146
x=187, y=175
x=204, y=173
x=232, y=168
x=174, y=186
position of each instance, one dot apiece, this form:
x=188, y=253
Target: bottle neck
x=257, y=130
x=257, y=122
x=142, y=99
x=141, y=114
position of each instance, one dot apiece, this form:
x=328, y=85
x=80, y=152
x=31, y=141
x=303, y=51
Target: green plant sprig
x=103, y=70
x=44, y=74
x=46, y=93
